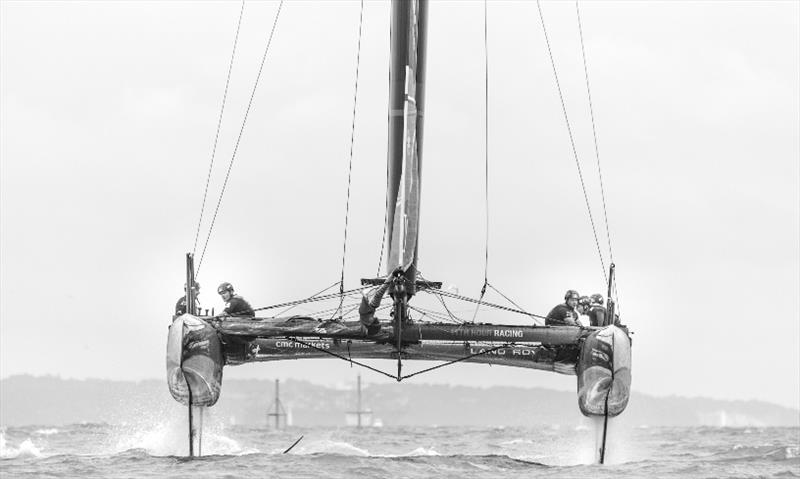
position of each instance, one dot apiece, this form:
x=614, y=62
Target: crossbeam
x=304, y=326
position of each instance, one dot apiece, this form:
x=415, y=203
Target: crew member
x=584, y=304
x=235, y=305
x=564, y=313
x=597, y=312
x=367, y=308
x=180, y=306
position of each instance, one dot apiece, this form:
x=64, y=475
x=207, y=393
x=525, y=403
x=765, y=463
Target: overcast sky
x=108, y=116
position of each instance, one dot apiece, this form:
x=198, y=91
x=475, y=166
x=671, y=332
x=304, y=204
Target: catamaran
x=200, y=346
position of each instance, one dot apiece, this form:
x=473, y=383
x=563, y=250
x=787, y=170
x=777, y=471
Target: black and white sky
x=108, y=115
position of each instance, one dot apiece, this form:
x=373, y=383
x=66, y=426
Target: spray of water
x=25, y=449
x=619, y=445
x=164, y=432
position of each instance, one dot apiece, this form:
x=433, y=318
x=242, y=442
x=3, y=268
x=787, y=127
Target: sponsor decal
x=488, y=332
x=507, y=333
x=292, y=345
x=511, y=351
x=472, y=332
x=202, y=345
x=496, y=352
x=523, y=352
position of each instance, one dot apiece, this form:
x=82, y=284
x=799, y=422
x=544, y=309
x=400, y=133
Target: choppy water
x=157, y=450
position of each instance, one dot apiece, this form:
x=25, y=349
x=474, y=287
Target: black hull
x=198, y=348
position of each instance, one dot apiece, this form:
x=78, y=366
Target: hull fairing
x=604, y=372
x=194, y=361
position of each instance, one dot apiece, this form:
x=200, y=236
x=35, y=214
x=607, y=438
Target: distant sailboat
x=199, y=346
x=276, y=414
x=360, y=417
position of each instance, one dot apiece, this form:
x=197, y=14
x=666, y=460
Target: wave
x=740, y=452
x=788, y=452
x=327, y=446
x=344, y=448
x=517, y=441
x=170, y=440
x=422, y=451
x=25, y=449
x=482, y=462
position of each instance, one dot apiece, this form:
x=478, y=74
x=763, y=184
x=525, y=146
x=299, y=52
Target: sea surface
x=158, y=449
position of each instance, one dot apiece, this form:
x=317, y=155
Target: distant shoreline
x=49, y=400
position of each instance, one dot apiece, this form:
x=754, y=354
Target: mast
x=195, y=423
x=359, y=401
x=406, y=114
x=359, y=412
x=276, y=410
x=191, y=293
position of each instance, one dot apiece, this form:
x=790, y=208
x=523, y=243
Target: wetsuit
x=366, y=310
x=561, y=315
x=598, y=315
x=180, y=306
x=237, y=306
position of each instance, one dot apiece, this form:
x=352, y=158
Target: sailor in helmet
x=584, y=304
x=565, y=314
x=597, y=312
x=235, y=305
x=180, y=306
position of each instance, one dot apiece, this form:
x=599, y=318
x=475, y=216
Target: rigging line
x=349, y=360
x=322, y=312
x=449, y=313
x=480, y=301
x=357, y=316
x=341, y=312
x=315, y=314
x=441, y=300
x=486, y=138
x=219, y=124
x=486, y=154
x=352, y=142
x=305, y=300
x=423, y=314
x=312, y=296
x=491, y=305
x=594, y=134
x=572, y=140
x=433, y=314
x=453, y=317
x=512, y=302
x=487, y=351
x=241, y=131
x=407, y=376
